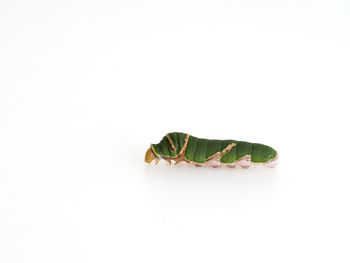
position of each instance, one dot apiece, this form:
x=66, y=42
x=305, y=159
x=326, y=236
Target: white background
x=86, y=86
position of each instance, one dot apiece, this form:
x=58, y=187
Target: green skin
x=199, y=150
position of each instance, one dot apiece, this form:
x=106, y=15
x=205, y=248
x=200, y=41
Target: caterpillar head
x=150, y=156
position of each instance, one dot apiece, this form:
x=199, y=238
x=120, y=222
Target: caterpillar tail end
x=150, y=156
x=273, y=162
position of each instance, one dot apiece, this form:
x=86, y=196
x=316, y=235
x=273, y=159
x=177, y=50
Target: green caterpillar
x=181, y=147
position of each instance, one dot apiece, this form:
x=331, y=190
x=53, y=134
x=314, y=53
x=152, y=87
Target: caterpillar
x=181, y=147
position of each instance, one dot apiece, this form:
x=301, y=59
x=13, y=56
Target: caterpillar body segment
x=181, y=147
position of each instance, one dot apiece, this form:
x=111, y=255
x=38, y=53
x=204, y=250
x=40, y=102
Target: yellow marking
x=215, y=155
x=185, y=145
x=228, y=149
x=171, y=142
x=244, y=157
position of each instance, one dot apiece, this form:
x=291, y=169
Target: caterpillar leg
x=214, y=161
x=272, y=163
x=244, y=162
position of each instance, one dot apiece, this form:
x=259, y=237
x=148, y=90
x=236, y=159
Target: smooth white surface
x=85, y=87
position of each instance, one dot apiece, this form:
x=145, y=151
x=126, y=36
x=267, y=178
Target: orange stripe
x=171, y=142
x=185, y=145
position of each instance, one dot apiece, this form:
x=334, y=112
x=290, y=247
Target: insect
x=181, y=147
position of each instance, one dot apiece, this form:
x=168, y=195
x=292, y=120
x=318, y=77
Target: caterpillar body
x=181, y=147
